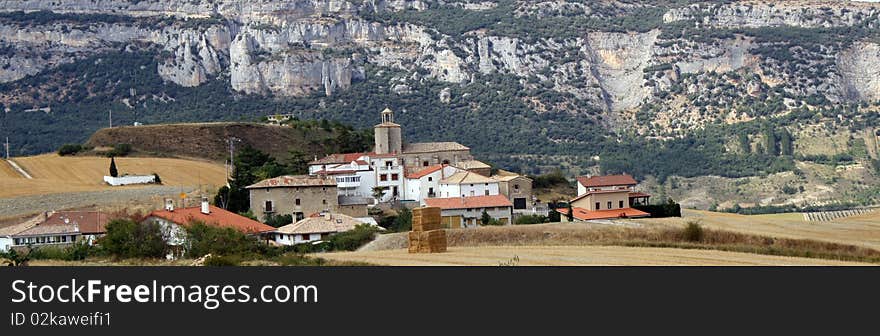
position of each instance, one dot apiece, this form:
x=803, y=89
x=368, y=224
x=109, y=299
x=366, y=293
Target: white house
x=60, y=228
x=468, y=184
x=314, y=228
x=426, y=182
x=464, y=212
x=173, y=222
x=130, y=179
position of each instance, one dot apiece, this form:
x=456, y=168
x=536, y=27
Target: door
x=519, y=203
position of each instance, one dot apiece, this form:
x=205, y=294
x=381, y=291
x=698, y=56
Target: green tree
x=485, y=219
x=744, y=142
x=126, y=238
x=113, y=171
x=403, y=222
x=786, y=146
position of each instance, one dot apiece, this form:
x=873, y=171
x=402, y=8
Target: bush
x=69, y=149
x=126, y=238
x=278, y=220
x=215, y=260
x=119, y=150
x=298, y=259
x=693, y=232
x=353, y=239
x=204, y=239
x=531, y=219
x=669, y=209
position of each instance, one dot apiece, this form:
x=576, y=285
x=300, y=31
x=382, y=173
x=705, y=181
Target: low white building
x=314, y=228
x=468, y=184
x=426, y=182
x=130, y=179
x=466, y=212
x=61, y=228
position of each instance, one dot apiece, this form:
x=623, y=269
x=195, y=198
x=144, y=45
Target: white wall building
x=129, y=179
x=426, y=183
x=468, y=184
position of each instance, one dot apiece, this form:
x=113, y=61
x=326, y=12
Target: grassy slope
x=54, y=174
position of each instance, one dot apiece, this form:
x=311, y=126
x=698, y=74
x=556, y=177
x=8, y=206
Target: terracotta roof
x=591, y=192
x=85, y=222
x=465, y=177
x=321, y=224
x=428, y=147
x=607, y=180
x=362, y=162
x=20, y=227
x=217, y=217
x=584, y=214
x=294, y=181
x=426, y=171
x=639, y=194
x=472, y=164
x=469, y=202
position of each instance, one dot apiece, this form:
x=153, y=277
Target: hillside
x=55, y=174
x=692, y=89
x=208, y=140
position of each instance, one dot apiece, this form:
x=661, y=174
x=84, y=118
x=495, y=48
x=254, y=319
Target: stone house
x=296, y=195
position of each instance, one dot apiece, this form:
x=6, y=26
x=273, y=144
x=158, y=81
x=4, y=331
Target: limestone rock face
x=859, y=72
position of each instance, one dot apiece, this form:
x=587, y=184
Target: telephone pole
x=7, y=148
x=111, y=118
x=231, y=166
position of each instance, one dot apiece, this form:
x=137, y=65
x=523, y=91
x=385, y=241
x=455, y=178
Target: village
x=342, y=190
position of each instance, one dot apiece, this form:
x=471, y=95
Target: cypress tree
x=113, y=171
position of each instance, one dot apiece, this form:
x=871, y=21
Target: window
x=621, y=204
x=296, y=201
x=424, y=163
x=323, y=201
x=394, y=177
x=383, y=177
x=268, y=206
x=486, y=192
x=609, y=204
x=516, y=187
x=472, y=193
x=597, y=206
x=389, y=163
x=430, y=178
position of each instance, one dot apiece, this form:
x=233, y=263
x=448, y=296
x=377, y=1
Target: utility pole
x=7, y=148
x=231, y=166
x=111, y=118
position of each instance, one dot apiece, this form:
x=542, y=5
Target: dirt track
x=574, y=256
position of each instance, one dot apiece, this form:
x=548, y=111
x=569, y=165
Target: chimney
x=205, y=208
x=169, y=204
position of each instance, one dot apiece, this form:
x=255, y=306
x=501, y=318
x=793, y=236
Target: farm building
x=463, y=212
x=315, y=228
x=62, y=228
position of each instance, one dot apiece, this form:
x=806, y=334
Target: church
x=357, y=174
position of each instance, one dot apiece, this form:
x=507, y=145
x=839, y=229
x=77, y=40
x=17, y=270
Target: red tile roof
x=639, y=194
x=217, y=217
x=469, y=202
x=426, y=171
x=607, y=180
x=338, y=158
x=584, y=214
x=84, y=222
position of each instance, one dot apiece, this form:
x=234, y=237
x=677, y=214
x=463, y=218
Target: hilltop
x=209, y=140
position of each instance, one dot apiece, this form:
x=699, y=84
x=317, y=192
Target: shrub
x=353, y=239
x=126, y=238
x=278, y=220
x=693, y=232
x=531, y=219
x=119, y=150
x=203, y=239
x=298, y=259
x=69, y=149
x=13, y=258
x=216, y=260
x=157, y=179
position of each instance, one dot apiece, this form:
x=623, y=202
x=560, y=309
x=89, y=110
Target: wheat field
x=56, y=174
x=573, y=256
x=861, y=230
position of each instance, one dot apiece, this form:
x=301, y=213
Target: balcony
x=389, y=169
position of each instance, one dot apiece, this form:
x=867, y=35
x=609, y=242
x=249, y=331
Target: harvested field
x=861, y=230
x=56, y=174
x=572, y=256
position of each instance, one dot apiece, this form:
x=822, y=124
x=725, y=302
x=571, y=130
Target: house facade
x=606, y=197
x=62, y=228
x=468, y=184
x=466, y=212
x=296, y=195
x=314, y=228
x=517, y=189
x=173, y=222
